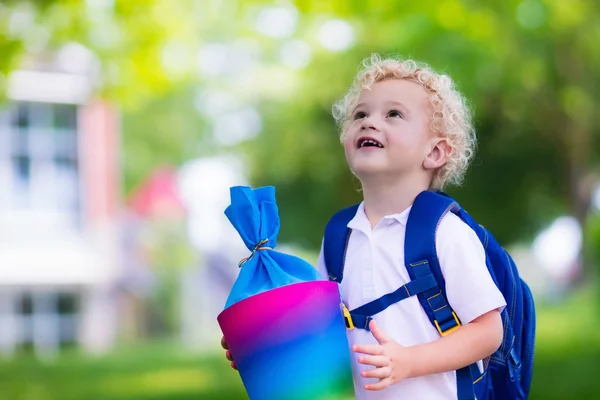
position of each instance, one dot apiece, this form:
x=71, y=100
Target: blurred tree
x=527, y=66
x=147, y=53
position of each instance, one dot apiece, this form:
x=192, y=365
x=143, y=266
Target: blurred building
x=59, y=192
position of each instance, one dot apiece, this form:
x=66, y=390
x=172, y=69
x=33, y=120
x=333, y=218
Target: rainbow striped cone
x=290, y=343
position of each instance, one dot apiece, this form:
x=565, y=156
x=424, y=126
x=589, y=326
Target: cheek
x=348, y=143
x=405, y=141
x=398, y=142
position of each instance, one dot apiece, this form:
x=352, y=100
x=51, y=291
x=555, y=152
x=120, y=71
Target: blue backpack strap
x=421, y=260
x=361, y=316
x=335, y=242
x=421, y=256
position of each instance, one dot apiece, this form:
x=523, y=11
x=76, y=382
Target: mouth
x=366, y=141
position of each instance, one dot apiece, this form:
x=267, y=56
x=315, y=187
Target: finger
x=382, y=384
x=228, y=355
x=376, y=361
x=380, y=373
x=224, y=343
x=378, y=334
x=373, y=349
x=233, y=365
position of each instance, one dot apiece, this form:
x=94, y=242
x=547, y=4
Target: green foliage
x=592, y=242
x=162, y=132
x=528, y=68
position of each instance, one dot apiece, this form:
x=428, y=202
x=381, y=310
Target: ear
x=438, y=155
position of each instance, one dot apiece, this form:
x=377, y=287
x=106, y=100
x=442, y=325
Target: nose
x=369, y=123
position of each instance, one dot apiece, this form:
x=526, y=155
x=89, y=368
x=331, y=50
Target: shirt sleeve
x=470, y=289
x=321, y=268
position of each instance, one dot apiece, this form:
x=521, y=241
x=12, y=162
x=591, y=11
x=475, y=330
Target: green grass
x=153, y=372
x=568, y=349
x=567, y=361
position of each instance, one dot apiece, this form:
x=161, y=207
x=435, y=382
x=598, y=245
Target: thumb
x=378, y=334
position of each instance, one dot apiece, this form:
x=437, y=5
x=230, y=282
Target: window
x=46, y=320
x=39, y=158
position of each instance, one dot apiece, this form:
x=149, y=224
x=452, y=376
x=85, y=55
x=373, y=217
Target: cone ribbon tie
x=258, y=247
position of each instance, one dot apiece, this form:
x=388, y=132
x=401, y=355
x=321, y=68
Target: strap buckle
x=448, y=331
x=347, y=317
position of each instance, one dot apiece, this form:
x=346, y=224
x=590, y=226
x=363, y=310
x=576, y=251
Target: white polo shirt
x=375, y=266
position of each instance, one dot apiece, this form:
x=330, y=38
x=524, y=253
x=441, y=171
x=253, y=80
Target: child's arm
x=394, y=363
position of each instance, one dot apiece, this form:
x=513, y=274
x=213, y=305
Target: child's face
x=389, y=132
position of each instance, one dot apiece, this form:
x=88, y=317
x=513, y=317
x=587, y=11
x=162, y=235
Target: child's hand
x=228, y=353
x=391, y=360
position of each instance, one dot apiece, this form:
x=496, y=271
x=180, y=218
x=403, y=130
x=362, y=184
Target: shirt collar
x=361, y=222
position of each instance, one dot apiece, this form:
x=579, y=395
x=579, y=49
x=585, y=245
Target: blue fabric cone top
x=254, y=214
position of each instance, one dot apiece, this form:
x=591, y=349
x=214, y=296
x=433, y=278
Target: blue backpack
x=507, y=373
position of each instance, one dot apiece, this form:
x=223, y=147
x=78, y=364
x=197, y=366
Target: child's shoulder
x=453, y=221
x=459, y=251
x=454, y=231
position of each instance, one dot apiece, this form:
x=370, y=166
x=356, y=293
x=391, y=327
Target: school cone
x=290, y=343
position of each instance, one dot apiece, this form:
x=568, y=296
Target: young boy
x=405, y=129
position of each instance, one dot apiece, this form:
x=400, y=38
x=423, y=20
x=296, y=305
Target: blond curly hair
x=450, y=115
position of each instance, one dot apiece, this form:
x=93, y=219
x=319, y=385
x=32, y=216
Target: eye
x=360, y=115
x=395, y=114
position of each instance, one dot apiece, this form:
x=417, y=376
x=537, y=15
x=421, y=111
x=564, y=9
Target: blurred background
x=123, y=123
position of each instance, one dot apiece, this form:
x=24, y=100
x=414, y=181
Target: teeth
x=370, y=141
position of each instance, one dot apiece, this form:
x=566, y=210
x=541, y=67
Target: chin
x=367, y=171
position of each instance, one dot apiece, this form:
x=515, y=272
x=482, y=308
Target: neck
x=387, y=197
